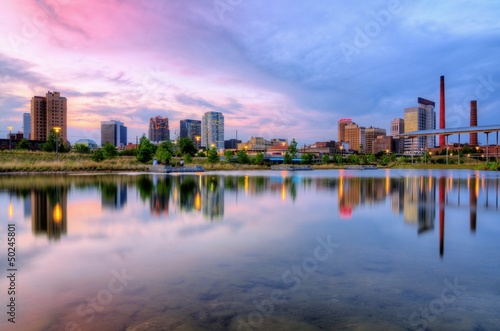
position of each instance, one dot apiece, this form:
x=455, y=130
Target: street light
x=10, y=137
x=57, y=129
x=197, y=138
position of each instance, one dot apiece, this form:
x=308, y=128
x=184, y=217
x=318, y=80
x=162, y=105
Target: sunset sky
x=278, y=68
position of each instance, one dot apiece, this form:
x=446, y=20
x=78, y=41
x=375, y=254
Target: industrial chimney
x=473, y=122
x=442, y=124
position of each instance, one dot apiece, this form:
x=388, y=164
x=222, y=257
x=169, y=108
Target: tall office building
x=397, y=128
x=46, y=113
x=158, y=129
x=212, y=130
x=342, y=124
x=355, y=136
x=421, y=117
x=26, y=125
x=370, y=135
x=191, y=129
x=113, y=132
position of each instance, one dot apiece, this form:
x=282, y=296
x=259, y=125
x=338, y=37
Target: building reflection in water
x=49, y=211
x=212, y=201
x=419, y=200
x=113, y=195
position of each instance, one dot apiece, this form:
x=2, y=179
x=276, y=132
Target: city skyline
x=270, y=69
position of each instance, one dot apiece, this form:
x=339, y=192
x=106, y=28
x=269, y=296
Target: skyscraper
x=370, y=135
x=113, y=132
x=46, y=113
x=158, y=129
x=342, y=123
x=26, y=125
x=397, y=128
x=191, y=129
x=212, y=130
x=355, y=136
x=421, y=117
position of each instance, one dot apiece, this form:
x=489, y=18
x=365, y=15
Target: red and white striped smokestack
x=442, y=123
x=473, y=122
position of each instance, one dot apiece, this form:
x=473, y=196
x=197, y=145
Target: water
x=321, y=250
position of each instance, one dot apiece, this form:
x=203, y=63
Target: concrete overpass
x=486, y=129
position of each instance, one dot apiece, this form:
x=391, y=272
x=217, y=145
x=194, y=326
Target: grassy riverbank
x=24, y=161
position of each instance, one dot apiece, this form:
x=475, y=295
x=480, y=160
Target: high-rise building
x=191, y=129
x=397, y=128
x=383, y=144
x=342, y=124
x=421, y=117
x=158, y=129
x=212, y=130
x=370, y=135
x=113, y=132
x=355, y=136
x=47, y=113
x=26, y=125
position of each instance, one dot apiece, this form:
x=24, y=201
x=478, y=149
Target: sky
x=275, y=69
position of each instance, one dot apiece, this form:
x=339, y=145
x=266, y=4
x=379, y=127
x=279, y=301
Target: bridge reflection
x=418, y=200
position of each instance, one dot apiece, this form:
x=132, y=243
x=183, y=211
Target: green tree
x=353, y=159
x=306, y=158
x=202, y=154
x=340, y=159
x=384, y=160
x=259, y=158
x=164, y=152
x=50, y=144
x=372, y=158
x=292, y=149
x=186, y=146
x=146, y=150
x=128, y=152
x=325, y=159
x=97, y=155
x=287, y=159
x=23, y=145
x=212, y=155
x=242, y=157
x=228, y=155
x=65, y=147
x=109, y=151
x=82, y=149
x=393, y=157
x=188, y=158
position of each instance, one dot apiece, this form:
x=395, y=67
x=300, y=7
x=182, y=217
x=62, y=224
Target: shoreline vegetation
x=45, y=162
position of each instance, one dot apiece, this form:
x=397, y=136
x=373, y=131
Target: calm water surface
x=321, y=250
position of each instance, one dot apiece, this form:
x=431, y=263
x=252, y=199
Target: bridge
x=486, y=129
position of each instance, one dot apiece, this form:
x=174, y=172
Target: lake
x=260, y=250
